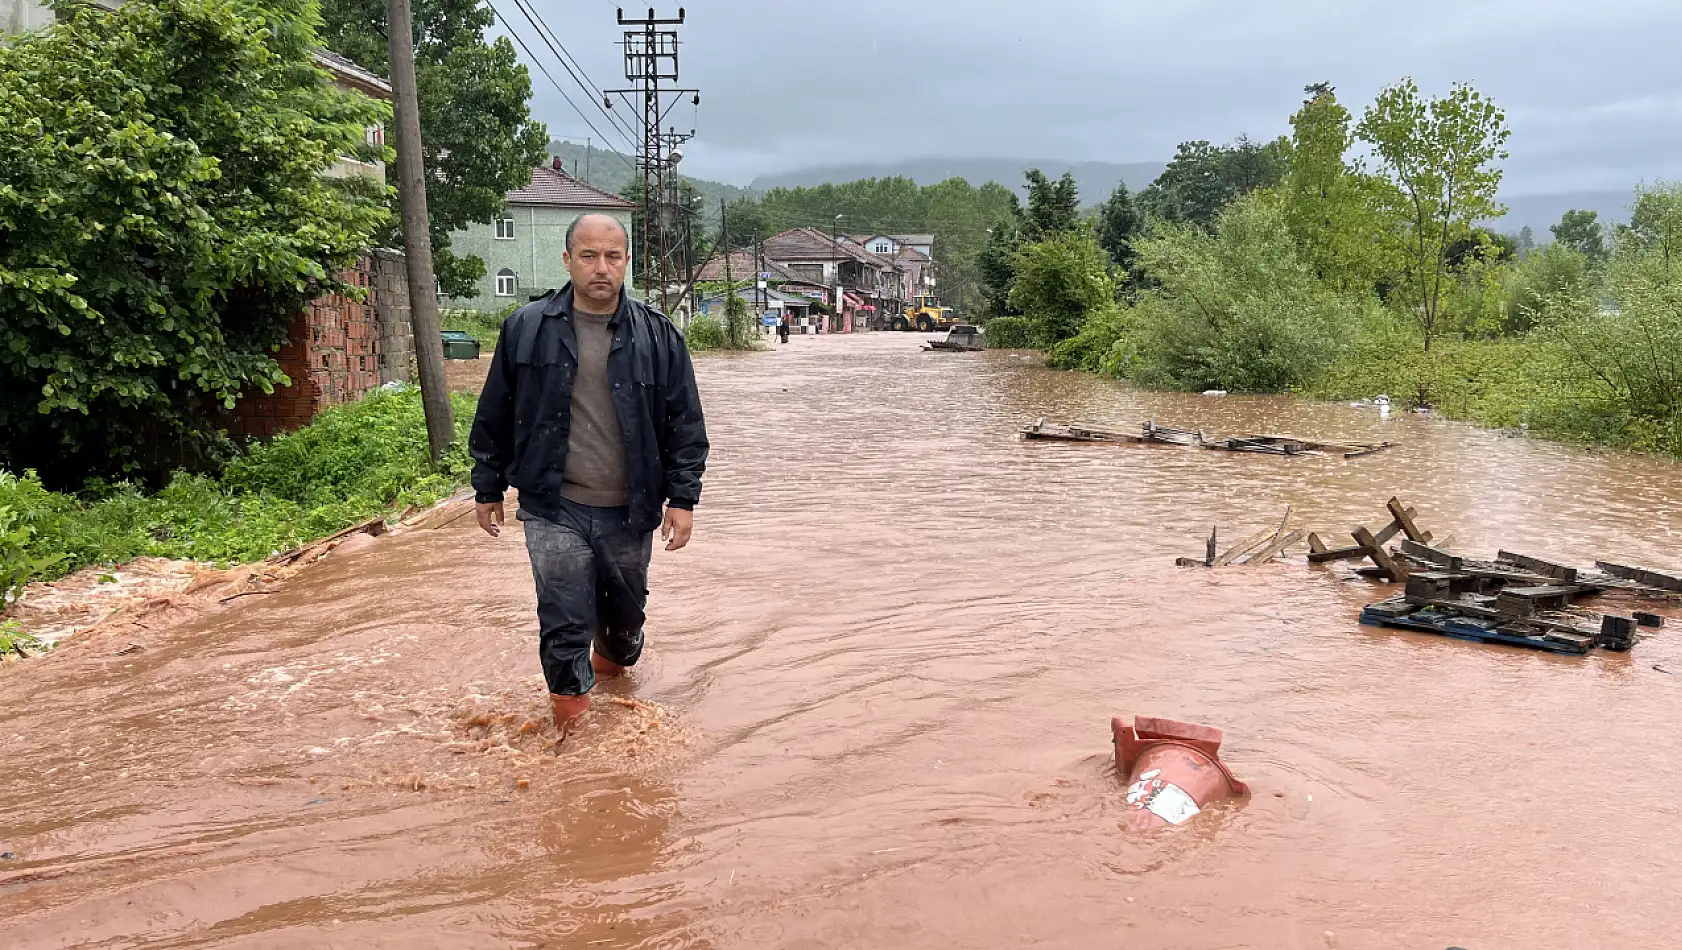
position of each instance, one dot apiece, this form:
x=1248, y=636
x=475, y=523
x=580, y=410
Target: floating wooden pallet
x=1150, y=433
x=1442, y=623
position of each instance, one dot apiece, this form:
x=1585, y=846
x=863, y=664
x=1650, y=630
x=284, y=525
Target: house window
x=505, y=229
x=881, y=247
x=505, y=283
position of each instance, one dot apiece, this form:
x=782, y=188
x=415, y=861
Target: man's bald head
x=593, y=221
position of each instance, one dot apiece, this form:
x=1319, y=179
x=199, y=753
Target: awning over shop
x=852, y=301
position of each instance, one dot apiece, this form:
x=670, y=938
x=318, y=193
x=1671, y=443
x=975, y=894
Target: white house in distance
x=522, y=247
x=913, y=253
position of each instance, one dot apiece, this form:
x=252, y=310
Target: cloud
x=1593, y=91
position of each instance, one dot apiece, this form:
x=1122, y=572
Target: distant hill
x=1095, y=179
x=611, y=171
x=1541, y=211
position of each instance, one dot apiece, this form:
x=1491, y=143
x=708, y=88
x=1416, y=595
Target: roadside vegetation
x=354, y=462
x=1293, y=267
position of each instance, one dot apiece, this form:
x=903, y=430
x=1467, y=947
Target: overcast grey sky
x=1592, y=88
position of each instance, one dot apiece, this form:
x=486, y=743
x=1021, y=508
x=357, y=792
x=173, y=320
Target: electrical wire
x=541, y=68
x=585, y=83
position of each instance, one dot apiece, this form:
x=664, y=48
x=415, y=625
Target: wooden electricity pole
x=417, y=237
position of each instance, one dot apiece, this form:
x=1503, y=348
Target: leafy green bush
x=1008, y=333
x=354, y=462
x=165, y=213
x=1237, y=310
x=14, y=641
x=704, y=333
x=1087, y=350
x=1059, y=281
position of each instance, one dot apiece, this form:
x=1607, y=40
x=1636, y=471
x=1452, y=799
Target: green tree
x=1655, y=221
x=1059, y=282
x=1053, y=206
x=1440, y=156
x=998, y=270
x=163, y=213
x=1202, y=179
x=1526, y=241
x=1238, y=309
x=1582, y=232
x=749, y=223
x=1119, y=224
x=1328, y=201
x=479, y=140
x=1547, y=272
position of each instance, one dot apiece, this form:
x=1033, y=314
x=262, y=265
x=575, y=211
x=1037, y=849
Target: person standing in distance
x=590, y=409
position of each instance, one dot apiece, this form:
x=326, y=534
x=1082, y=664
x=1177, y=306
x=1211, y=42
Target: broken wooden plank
x=1404, y=518
x=1244, y=547
x=1276, y=548
x=1369, y=450
x=1425, y=552
x=1663, y=580
x=1315, y=545
x=1350, y=554
x=1188, y=562
x=1536, y=565
x=1209, y=550
x=1375, y=550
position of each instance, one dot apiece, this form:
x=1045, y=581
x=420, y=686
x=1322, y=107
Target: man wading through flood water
x=591, y=411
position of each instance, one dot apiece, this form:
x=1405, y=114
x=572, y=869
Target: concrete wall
x=390, y=300
x=533, y=254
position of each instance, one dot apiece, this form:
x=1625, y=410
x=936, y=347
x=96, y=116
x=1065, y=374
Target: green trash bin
x=459, y=346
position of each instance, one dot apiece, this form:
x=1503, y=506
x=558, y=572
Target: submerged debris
x=1149, y=433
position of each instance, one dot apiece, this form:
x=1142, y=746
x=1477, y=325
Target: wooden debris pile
x=1515, y=599
x=1149, y=433
x=1259, y=548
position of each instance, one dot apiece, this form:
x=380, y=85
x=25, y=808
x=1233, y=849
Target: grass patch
x=354, y=462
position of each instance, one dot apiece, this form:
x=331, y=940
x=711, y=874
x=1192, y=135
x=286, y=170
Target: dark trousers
x=591, y=572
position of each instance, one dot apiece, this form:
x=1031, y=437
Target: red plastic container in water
x=1174, y=770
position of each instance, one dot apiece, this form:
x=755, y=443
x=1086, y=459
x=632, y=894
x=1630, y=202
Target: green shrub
x=1237, y=310
x=1059, y=281
x=1008, y=333
x=1087, y=350
x=704, y=333
x=355, y=462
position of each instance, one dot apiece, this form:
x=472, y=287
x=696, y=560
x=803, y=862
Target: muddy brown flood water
x=874, y=711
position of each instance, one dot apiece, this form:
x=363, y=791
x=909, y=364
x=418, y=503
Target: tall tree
x=479, y=139
x=1053, y=206
x=1059, y=281
x=1526, y=241
x=1202, y=179
x=1327, y=199
x=1441, y=157
x=1655, y=222
x=164, y=213
x=998, y=269
x=1119, y=223
x=1581, y=231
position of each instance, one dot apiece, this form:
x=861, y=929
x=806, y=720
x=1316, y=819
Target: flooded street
x=874, y=711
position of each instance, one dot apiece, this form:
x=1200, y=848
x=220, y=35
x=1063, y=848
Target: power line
x=589, y=87
x=540, y=68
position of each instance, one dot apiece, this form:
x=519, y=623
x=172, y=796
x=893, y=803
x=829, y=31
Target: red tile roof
x=555, y=188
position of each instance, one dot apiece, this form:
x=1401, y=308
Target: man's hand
x=490, y=517
x=675, y=530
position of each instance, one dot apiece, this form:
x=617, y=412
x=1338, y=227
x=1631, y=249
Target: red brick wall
x=331, y=355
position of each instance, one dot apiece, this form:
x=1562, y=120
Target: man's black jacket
x=525, y=411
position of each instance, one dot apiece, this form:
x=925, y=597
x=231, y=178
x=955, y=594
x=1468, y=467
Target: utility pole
x=651, y=59
x=835, y=265
x=589, y=146
x=724, y=238
x=417, y=237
